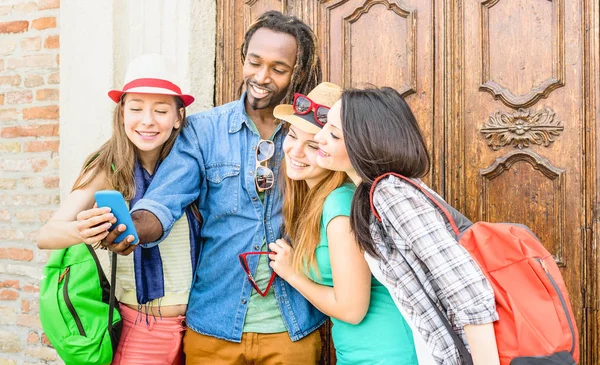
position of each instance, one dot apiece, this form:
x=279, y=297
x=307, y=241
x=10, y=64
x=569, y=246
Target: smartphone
x=115, y=201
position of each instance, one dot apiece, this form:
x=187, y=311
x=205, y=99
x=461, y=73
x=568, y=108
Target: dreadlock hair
x=307, y=70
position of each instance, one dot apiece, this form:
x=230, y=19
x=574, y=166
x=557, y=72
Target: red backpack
x=536, y=324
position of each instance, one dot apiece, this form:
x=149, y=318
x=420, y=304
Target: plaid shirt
x=416, y=234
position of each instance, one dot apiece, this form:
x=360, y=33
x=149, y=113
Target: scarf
x=149, y=276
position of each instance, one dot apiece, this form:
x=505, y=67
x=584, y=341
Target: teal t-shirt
x=383, y=337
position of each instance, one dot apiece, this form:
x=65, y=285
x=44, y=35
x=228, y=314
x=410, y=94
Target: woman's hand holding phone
x=94, y=224
x=124, y=233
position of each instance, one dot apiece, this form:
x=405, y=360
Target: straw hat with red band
x=151, y=74
x=325, y=94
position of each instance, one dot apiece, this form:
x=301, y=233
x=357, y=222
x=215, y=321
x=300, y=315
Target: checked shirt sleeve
x=459, y=283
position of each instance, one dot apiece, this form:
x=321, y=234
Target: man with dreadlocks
x=228, y=158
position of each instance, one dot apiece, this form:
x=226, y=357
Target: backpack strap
x=458, y=342
x=433, y=199
x=111, y=299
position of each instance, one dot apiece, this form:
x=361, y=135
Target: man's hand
x=124, y=247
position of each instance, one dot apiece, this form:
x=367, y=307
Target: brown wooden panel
x=385, y=43
x=542, y=191
x=540, y=179
x=523, y=80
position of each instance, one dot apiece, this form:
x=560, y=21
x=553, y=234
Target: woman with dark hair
x=369, y=133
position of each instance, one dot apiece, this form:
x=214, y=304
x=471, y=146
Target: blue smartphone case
x=115, y=201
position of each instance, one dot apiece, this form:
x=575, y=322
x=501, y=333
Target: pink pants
x=159, y=342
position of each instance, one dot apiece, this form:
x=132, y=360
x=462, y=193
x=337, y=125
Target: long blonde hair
x=302, y=213
x=121, y=152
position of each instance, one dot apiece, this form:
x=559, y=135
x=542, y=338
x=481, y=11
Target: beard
x=269, y=101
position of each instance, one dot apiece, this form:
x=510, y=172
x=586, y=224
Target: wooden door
x=519, y=136
x=505, y=92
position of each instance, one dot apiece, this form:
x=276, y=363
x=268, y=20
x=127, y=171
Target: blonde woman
x=326, y=264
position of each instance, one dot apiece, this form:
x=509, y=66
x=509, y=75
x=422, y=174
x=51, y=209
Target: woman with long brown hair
x=154, y=281
x=372, y=132
x=325, y=263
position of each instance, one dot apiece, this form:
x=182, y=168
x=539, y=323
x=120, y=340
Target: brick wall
x=29, y=169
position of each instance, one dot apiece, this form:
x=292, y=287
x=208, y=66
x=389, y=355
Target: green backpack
x=77, y=306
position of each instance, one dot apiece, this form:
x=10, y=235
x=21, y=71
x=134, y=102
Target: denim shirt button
x=244, y=301
x=251, y=172
x=256, y=247
x=282, y=300
x=254, y=198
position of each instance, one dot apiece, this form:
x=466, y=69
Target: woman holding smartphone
x=325, y=263
x=149, y=114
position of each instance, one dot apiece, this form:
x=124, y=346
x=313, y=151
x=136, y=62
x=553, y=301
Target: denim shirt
x=214, y=159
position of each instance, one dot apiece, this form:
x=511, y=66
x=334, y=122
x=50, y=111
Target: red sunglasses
x=303, y=105
x=244, y=262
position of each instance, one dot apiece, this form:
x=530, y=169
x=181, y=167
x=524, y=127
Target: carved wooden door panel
x=518, y=144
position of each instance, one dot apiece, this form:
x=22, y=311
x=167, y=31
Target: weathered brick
x=45, y=215
x=54, y=78
x=10, y=147
x=5, y=10
x=28, y=200
x=32, y=61
x=7, y=46
x=43, y=112
x=31, y=288
x=33, y=80
x=19, y=26
x=44, y=353
x=29, y=165
x=7, y=315
x=39, y=165
x=44, y=23
x=19, y=97
x=10, y=284
x=45, y=340
x=25, y=7
x=52, y=42
x=42, y=146
x=18, y=254
x=47, y=94
x=8, y=184
x=44, y=130
x=8, y=115
x=51, y=182
x=12, y=80
x=29, y=320
x=8, y=362
x=26, y=216
x=11, y=235
x=9, y=342
x=49, y=4
x=31, y=182
x=33, y=237
x=1, y=99
x=4, y=217
x=7, y=294
x=31, y=44
x=33, y=337
x=32, y=305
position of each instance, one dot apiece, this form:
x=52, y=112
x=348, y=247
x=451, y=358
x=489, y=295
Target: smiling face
x=149, y=120
x=300, y=151
x=332, y=150
x=268, y=68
